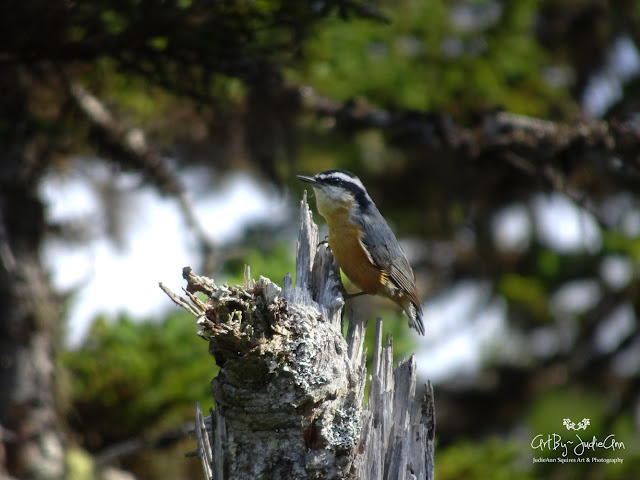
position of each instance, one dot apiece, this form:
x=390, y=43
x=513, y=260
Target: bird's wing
x=386, y=253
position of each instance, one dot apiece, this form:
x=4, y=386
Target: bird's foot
x=351, y=295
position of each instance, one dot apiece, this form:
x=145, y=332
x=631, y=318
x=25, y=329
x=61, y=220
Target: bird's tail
x=414, y=313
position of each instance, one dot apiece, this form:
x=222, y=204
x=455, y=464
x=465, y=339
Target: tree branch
x=131, y=147
x=611, y=145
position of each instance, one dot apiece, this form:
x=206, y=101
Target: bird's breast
x=351, y=255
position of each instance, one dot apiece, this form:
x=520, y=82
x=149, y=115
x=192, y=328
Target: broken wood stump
x=290, y=390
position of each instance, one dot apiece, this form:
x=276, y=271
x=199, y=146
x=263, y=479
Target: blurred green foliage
x=526, y=292
x=546, y=417
x=489, y=459
x=497, y=458
x=618, y=242
x=440, y=55
x=273, y=262
x=131, y=378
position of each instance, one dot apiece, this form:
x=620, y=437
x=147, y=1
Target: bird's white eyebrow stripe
x=342, y=176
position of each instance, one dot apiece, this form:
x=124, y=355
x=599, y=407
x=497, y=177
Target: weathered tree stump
x=289, y=394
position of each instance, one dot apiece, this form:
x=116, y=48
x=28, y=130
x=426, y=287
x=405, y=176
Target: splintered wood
x=289, y=396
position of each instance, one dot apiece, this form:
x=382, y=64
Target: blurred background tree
x=500, y=138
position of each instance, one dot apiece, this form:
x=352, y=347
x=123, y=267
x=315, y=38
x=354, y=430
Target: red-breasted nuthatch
x=362, y=242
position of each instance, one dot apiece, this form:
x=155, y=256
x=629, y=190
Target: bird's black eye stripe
x=356, y=190
x=338, y=182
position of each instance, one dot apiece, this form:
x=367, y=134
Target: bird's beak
x=310, y=180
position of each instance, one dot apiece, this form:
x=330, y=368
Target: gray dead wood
x=289, y=393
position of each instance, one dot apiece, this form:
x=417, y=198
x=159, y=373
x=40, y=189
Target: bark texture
x=31, y=441
x=289, y=395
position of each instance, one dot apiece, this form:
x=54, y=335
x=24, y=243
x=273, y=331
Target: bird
x=363, y=244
